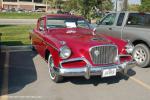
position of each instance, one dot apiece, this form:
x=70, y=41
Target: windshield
x=66, y=23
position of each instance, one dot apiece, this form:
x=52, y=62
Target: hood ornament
x=70, y=31
x=62, y=42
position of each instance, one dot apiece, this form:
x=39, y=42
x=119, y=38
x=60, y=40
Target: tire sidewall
x=57, y=78
x=49, y=58
x=146, y=49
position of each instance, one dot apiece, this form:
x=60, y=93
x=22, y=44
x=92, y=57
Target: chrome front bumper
x=89, y=70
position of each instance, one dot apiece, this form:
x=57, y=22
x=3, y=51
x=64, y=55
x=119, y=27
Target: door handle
x=110, y=28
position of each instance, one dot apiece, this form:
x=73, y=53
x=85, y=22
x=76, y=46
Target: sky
x=132, y=1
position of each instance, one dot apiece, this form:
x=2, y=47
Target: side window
x=109, y=19
x=134, y=19
x=41, y=25
x=138, y=19
x=120, y=19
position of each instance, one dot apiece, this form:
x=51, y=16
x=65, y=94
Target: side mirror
x=94, y=31
x=98, y=22
x=41, y=29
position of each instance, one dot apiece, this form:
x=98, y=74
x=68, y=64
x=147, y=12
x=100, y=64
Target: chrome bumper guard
x=88, y=70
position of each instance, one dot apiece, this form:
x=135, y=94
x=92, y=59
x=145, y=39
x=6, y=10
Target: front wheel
x=53, y=75
x=141, y=55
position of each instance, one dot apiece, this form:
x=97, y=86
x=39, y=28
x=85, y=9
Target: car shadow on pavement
x=21, y=71
x=95, y=80
x=6, y=25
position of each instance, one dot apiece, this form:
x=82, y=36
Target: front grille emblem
x=96, y=52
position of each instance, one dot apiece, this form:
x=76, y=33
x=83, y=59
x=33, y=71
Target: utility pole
x=116, y=3
x=125, y=5
x=121, y=5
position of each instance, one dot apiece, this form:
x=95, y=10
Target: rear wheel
x=141, y=55
x=53, y=74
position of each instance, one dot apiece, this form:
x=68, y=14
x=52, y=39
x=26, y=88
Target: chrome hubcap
x=51, y=67
x=140, y=55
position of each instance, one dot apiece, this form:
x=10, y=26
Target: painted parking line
x=7, y=50
x=4, y=91
x=141, y=83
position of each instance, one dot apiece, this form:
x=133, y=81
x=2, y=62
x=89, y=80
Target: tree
x=87, y=7
x=133, y=7
x=145, y=6
x=54, y=3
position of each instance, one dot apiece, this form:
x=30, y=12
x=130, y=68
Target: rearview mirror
x=98, y=22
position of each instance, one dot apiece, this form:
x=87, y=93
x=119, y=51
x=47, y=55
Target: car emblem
x=96, y=52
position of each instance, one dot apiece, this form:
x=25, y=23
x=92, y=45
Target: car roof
x=63, y=16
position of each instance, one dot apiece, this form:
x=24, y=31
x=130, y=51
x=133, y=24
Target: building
x=23, y=4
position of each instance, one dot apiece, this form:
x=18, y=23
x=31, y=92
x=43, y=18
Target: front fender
x=54, y=52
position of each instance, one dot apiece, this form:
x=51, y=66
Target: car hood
x=78, y=36
x=80, y=41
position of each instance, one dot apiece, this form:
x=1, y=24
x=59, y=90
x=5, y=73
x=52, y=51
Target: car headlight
x=65, y=52
x=129, y=48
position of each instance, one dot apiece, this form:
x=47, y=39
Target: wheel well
x=47, y=54
x=139, y=42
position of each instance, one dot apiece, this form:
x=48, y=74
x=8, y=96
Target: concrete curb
x=17, y=21
x=4, y=48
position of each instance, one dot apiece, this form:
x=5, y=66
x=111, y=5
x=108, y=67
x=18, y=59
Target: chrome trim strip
x=124, y=55
x=51, y=45
x=75, y=59
x=46, y=42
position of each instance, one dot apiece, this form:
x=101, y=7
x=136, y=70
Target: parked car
x=71, y=48
x=131, y=26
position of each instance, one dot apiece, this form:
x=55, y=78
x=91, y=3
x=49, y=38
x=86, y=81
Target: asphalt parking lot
x=24, y=76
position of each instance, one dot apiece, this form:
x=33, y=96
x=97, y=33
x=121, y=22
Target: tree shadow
x=6, y=25
x=21, y=71
x=96, y=80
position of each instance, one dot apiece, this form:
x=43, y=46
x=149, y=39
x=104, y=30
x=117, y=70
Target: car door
x=40, y=36
x=107, y=24
x=117, y=30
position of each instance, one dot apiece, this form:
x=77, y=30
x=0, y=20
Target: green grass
x=15, y=34
x=14, y=15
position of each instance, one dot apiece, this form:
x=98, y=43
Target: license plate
x=109, y=72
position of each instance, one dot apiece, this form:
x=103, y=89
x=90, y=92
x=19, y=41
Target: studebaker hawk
x=72, y=48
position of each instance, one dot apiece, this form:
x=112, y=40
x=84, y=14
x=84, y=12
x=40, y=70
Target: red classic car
x=72, y=48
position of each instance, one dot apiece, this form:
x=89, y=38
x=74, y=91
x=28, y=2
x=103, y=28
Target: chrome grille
x=105, y=54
